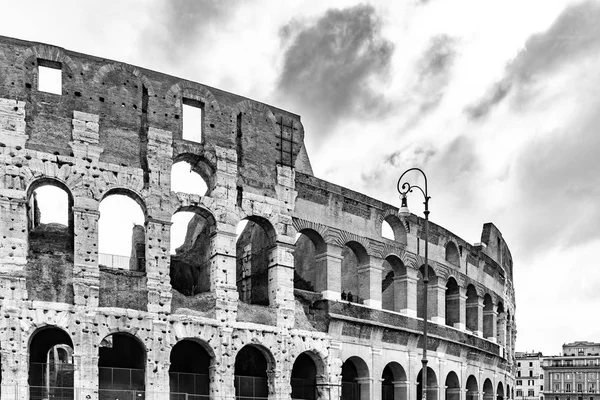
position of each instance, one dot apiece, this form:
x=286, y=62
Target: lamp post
x=404, y=212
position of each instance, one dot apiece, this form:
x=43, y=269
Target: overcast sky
x=498, y=101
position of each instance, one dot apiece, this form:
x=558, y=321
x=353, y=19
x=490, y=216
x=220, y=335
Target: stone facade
x=333, y=313
x=574, y=375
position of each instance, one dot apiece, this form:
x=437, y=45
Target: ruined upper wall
x=129, y=99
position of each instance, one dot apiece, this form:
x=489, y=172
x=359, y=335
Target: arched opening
x=121, y=232
x=50, y=236
x=309, y=245
x=355, y=374
x=387, y=231
x=432, y=384
x=472, y=312
x=304, y=378
x=431, y=294
x=452, y=302
x=393, y=382
x=452, y=386
x=122, y=251
x=188, y=372
x=51, y=366
x=500, y=391
x=191, y=251
x=255, y=243
x=354, y=256
x=488, y=390
x=508, y=392
x=185, y=178
x=391, y=287
x=121, y=367
x=472, y=388
x=393, y=229
x=452, y=255
x=251, y=381
x=488, y=317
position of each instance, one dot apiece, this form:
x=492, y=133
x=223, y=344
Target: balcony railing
x=121, y=262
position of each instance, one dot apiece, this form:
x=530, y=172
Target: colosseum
x=284, y=286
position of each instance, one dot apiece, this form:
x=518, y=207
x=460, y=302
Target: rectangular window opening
x=49, y=76
x=193, y=116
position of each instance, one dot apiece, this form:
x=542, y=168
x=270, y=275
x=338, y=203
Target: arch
x=253, y=367
x=391, y=286
x=432, y=384
x=48, y=376
x=185, y=180
x=488, y=389
x=354, y=256
x=500, y=391
x=472, y=312
x=355, y=382
x=452, y=254
x=200, y=165
x=489, y=317
x=189, y=368
x=452, y=386
x=308, y=261
x=501, y=324
x=193, y=91
x=452, y=299
x=254, y=247
x=432, y=295
x=303, y=379
x=472, y=388
x=106, y=69
x=125, y=353
x=396, y=225
x=191, y=250
x=246, y=105
x=393, y=382
x=127, y=192
x=121, y=231
x=50, y=236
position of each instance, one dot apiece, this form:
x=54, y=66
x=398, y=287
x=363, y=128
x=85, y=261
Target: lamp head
x=404, y=212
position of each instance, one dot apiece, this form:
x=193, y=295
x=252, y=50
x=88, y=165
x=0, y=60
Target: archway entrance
x=304, y=378
x=452, y=386
x=188, y=373
x=432, y=385
x=353, y=371
x=251, y=381
x=393, y=384
x=51, y=365
x=121, y=368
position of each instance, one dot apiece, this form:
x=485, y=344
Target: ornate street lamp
x=403, y=213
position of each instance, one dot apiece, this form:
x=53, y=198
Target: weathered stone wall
x=117, y=129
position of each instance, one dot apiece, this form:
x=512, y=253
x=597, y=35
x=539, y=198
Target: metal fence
x=122, y=379
x=187, y=386
x=50, y=392
x=120, y=262
x=251, y=388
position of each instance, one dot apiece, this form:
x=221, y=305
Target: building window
x=49, y=76
x=541, y=388
x=580, y=352
x=579, y=387
x=518, y=374
x=530, y=382
x=557, y=376
x=567, y=387
x=568, y=376
x=530, y=393
x=519, y=393
x=531, y=373
x=193, y=115
x=519, y=364
x=530, y=364
x=592, y=388
x=557, y=387
x=519, y=382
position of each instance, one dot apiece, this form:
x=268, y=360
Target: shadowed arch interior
x=452, y=386
x=391, y=288
x=432, y=384
x=393, y=373
x=251, y=368
x=124, y=354
x=309, y=245
x=304, y=378
x=431, y=298
x=188, y=372
x=452, y=299
x=354, y=256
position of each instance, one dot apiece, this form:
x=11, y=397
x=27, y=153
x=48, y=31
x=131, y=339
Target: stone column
x=436, y=299
x=223, y=384
x=462, y=309
x=489, y=320
x=479, y=331
x=222, y=261
x=376, y=361
x=369, y=282
x=281, y=283
x=158, y=234
x=157, y=363
x=406, y=300
x=15, y=355
x=86, y=274
x=329, y=272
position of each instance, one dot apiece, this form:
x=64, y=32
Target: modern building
x=574, y=375
x=309, y=301
x=529, y=383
